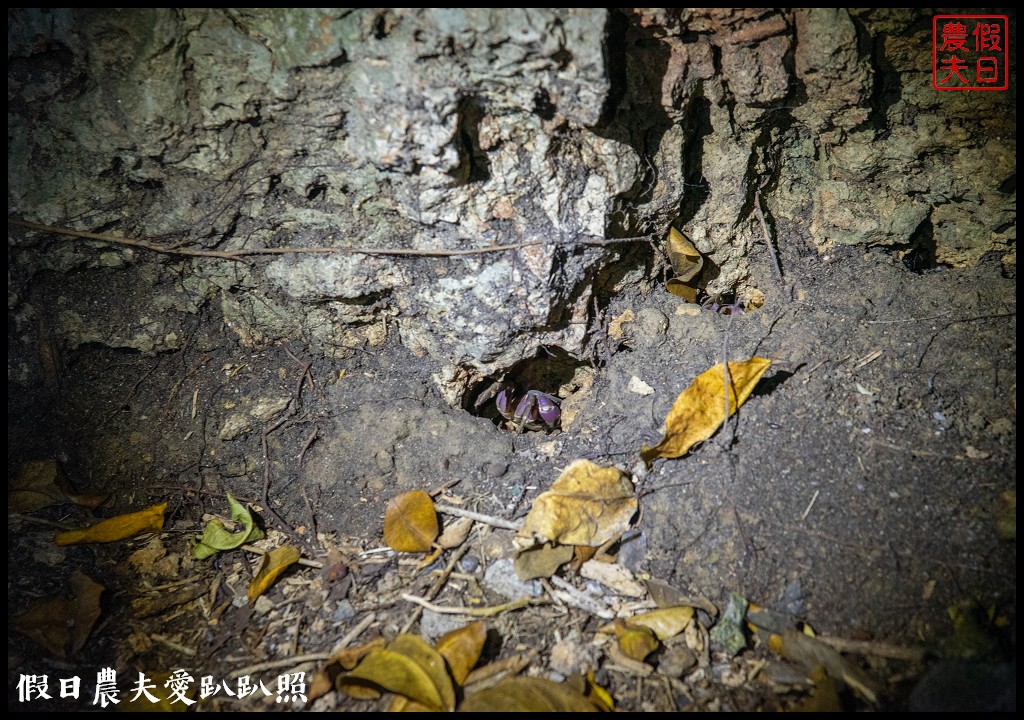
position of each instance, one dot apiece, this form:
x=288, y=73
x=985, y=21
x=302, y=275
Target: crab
x=533, y=410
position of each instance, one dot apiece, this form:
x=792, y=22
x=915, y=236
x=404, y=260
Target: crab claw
x=503, y=402
x=547, y=409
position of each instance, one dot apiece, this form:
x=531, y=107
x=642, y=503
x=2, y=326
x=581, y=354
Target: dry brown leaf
x=272, y=565
x=462, y=648
x=527, y=694
x=409, y=667
x=638, y=642
x=587, y=505
x=687, y=263
x=664, y=622
x=541, y=560
x=580, y=555
x=42, y=483
x=700, y=409
x=117, y=528
x=346, y=659
x=614, y=577
x=811, y=652
x=62, y=624
x=410, y=522
x=456, y=533
x=38, y=485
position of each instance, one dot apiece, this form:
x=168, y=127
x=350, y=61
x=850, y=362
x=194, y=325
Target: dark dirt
x=858, y=489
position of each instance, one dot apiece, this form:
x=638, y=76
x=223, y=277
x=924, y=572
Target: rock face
x=447, y=131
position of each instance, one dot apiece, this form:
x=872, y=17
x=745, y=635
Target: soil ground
x=860, y=489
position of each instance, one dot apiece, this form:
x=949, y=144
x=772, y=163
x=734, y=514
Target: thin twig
x=951, y=323
x=444, y=487
x=309, y=441
x=176, y=646
x=438, y=584
x=807, y=510
x=489, y=611
x=787, y=291
x=294, y=661
x=877, y=649
x=479, y=517
x=577, y=599
x=908, y=320
x=355, y=632
x=242, y=254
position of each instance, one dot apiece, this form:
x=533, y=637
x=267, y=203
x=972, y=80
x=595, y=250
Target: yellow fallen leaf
x=664, y=622
x=824, y=697
x=322, y=681
x=541, y=560
x=117, y=528
x=216, y=538
x=700, y=409
x=461, y=648
x=527, y=694
x=638, y=643
x=273, y=564
x=410, y=522
x=409, y=667
x=587, y=505
x=635, y=641
x=598, y=695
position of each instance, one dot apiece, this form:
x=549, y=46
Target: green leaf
x=216, y=538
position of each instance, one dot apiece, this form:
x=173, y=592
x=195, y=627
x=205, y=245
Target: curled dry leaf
x=456, y=533
x=42, y=483
x=323, y=679
x=635, y=641
x=664, y=622
x=409, y=667
x=410, y=522
x=587, y=505
x=700, y=409
x=687, y=263
x=461, y=648
x=273, y=564
x=117, y=528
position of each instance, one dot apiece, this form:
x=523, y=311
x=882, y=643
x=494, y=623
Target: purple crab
x=533, y=410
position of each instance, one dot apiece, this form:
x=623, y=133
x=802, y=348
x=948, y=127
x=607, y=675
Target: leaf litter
x=573, y=527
